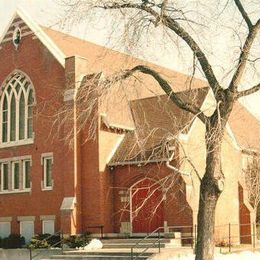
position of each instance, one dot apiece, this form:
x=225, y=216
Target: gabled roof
x=29, y=27
x=133, y=91
x=109, y=61
x=158, y=122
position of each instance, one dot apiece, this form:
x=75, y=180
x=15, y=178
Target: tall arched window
x=17, y=103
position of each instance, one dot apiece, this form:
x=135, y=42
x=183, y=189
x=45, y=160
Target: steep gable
x=17, y=21
x=27, y=26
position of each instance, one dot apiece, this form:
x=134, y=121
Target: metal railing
x=158, y=240
x=234, y=236
x=60, y=242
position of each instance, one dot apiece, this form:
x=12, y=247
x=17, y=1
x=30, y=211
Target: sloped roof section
x=245, y=127
x=158, y=121
x=107, y=61
x=103, y=59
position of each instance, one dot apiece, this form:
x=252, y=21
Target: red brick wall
x=177, y=212
x=107, y=200
x=90, y=183
x=98, y=201
x=244, y=219
x=47, y=76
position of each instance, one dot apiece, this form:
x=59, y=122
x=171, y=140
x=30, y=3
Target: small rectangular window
x=26, y=174
x=16, y=175
x=5, y=229
x=4, y=177
x=47, y=172
x=48, y=227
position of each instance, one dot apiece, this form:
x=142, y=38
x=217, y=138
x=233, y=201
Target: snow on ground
x=94, y=244
x=246, y=255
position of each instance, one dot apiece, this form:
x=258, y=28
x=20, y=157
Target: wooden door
x=147, y=207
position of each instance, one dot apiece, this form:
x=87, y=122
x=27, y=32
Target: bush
x=222, y=243
x=44, y=241
x=1, y=242
x=13, y=241
x=77, y=240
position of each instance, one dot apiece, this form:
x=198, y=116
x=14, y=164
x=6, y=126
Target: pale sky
x=47, y=12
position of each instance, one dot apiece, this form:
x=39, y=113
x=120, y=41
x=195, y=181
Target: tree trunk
x=209, y=193
x=206, y=220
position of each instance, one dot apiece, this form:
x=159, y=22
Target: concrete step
x=94, y=257
x=98, y=255
x=141, y=245
x=128, y=243
x=132, y=240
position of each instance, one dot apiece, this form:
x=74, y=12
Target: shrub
x=44, y=241
x=222, y=243
x=13, y=241
x=1, y=242
x=77, y=240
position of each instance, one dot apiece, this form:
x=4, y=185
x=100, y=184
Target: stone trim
x=46, y=155
x=68, y=204
x=47, y=217
x=26, y=218
x=16, y=158
x=5, y=219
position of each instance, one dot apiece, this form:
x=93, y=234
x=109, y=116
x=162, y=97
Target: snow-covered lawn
x=246, y=255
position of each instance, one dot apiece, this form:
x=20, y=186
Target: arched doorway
x=146, y=206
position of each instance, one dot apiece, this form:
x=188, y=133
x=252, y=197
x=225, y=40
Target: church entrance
x=147, y=206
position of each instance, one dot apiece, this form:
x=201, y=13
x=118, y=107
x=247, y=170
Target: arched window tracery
x=17, y=103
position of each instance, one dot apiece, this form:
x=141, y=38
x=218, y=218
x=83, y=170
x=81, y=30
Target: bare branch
x=244, y=57
x=163, y=8
x=204, y=63
x=254, y=60
x=176, y=27
x=248, y=91
x=244, y=14
x=192, y=108
x=129, y=5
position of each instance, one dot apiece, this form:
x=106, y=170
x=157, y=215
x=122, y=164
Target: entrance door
x=147, y=207
x=27, y=230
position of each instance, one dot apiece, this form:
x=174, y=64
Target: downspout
x=173, y=167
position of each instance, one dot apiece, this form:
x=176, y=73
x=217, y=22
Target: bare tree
x=175, y=22
x=252, y=180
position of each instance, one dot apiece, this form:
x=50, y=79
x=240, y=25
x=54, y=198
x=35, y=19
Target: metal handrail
x=193, y=236
x=157, y=230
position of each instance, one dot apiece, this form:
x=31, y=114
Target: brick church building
x=140, y=172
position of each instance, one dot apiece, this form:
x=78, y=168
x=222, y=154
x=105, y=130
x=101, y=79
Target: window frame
x=24, y=174
x=17, y=86
x=10, y=162
x=2, y=177
x=8, y=223
x=13, y=163
x=45, y=158
x=44, y=221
